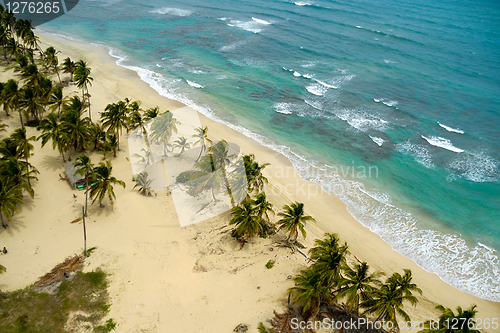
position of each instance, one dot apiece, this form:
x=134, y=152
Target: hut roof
x=69, y=170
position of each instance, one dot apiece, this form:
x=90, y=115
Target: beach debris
x=4, y=251
x=270, y=264
x=77, y=220
x=61, y=177
x=241, y=328
x=58, y=273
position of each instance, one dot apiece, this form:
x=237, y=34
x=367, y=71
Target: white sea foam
x=255, y=25
x=297, y=74
x=390, y=103
x=194, y=84
x=419, y=153
x=325, y=84
x=472, y=269
x=261, y=21
x=283, y=108
x=450, y=129
x=172, y=11
x=476, y=167
x=377, y=140
x=301, y=3
x=442, y=143
x=359, y=27
x=317, y=89
x=361, y=120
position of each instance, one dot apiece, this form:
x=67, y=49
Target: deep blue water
x=409, y=87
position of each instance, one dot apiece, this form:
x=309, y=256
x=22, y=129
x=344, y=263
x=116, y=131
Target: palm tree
x=23, y=143
x=143, y=183
x=12, y=95
x=51, y=60
x=182, y=144
x=162, y=129
x=75, y=127
x=146, y=158
x=248, y=224
x=104, y=183
x=114, y=118
x=309, y=292
x=201, y=135
x=109, y=146
x=356, y=285
x=329, y=256
x=293, y=220
x=450, y=322
x=97, y=135
x=57, y=100
x=253, y=170
x=263, y=207
x=238, y=183
x=151, y=113
x=18, y=173
x=84, y=167
x=10, y=196
x=53, y=130
x=387, y=302
x=83, y=80
x=137, y=120
x=68, y=66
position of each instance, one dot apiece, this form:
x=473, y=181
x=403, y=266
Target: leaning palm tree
x=329, y=256
x=18, y=173
x=23, y=143
x=104, y=183
x=84, y=167
x=293, y=220
x=10, y=197
x=388, y=301
x=68, y=66
x=253, y=170
x=247, y=223
x=356, y=285
x=83, y=80
x=262, y=206
x=201, y=135
x=310, y=292
x=53, y=130
x=143, y=183
x=115, y=118
x=57, y=100
x=51, y=60
x=162, y=128
x=449, y=322
x=182, y=144
x=11, y=96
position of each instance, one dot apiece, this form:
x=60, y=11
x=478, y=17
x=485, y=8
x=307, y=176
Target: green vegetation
x=270, y=264
x=85, y=299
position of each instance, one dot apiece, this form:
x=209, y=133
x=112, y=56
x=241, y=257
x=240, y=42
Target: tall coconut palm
x=329, y=256
x=22, y=141
x=18, y=173
x=162, y=128
x=247, y=223
x=115, y=118
x=202, y=140
x=83, y=80
x=388, y=301
x=310, y=292
x=10, y=197
x=143, y=183
x=449, y=322
x=12, y=95
x=52, y=61
x=84, y=167
x=104, y=183
x=293, y=220
x=151, y=113
x=182, y=144
x=263, y=207
x=68, y=66
x=356, y=285
x=75, y=127
x=253, y=170
x=57, y=100
x=53, y=130
x=97, y=135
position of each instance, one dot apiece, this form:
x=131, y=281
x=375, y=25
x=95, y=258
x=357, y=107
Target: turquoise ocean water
x=409, y=87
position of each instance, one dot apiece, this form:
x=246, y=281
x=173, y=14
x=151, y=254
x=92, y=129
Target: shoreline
x=330, y=212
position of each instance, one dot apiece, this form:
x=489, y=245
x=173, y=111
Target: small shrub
x=270, y=264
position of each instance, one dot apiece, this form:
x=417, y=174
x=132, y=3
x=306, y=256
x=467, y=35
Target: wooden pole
x=84, y=234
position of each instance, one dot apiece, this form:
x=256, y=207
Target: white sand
x=168, y=278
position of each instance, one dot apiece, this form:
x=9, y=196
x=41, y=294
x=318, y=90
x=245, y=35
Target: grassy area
x=83, y=301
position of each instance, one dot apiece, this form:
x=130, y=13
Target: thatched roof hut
x=69, y=170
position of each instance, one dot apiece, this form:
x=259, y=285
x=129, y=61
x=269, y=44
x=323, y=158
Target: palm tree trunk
x=3, y=223
x=86, y=191
x=146, y=137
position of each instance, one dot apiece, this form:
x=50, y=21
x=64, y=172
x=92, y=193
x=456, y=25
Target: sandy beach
x=168, y=278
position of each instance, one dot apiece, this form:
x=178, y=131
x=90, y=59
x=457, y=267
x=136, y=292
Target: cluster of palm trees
x=16, y=173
